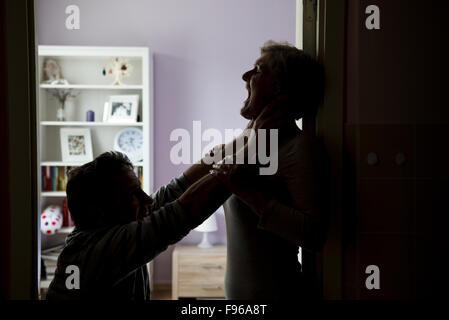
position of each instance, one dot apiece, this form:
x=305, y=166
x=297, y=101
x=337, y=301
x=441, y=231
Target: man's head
x=105, y=192
x=283, y=70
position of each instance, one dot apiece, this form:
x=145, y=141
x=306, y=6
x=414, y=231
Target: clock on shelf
x=130, y=142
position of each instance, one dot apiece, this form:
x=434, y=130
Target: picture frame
x=76, y=145
x=123, y=109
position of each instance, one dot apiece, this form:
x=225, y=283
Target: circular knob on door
x=400, y=159
x=372, y=159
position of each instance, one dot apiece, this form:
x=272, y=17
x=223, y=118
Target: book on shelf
x=54, y=178
x=66, y=217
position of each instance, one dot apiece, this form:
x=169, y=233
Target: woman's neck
x=288, y=131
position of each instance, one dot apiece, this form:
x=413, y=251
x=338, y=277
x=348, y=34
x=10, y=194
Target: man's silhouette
x=119, y=228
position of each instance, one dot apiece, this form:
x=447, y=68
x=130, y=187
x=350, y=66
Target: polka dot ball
x=51, y=220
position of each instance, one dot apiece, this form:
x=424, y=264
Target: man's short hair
x=91, y=187
x=299, y=75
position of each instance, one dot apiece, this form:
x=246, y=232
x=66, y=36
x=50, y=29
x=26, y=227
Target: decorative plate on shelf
x=130, y=142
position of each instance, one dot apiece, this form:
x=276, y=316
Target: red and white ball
x=51, y=220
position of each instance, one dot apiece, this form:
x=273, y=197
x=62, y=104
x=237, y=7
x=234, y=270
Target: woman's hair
x=91, y=187
x=298, y=75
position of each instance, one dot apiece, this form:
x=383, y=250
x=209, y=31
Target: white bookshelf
x=82, y=67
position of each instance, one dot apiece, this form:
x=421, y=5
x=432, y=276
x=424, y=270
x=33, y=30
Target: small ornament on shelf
x=119, y=68
x=62, y=96
x=52, y=73
x=90, y=116
x=51, y=220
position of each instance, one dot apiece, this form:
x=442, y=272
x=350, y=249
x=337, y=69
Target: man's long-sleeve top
x=112, y=260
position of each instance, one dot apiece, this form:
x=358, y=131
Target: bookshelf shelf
x=91, y=87
x=90, y=124
x=53, y=194
x=66, y=230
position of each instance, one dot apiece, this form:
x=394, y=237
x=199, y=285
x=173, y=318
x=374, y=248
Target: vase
x=70, y=111
x=60, y=113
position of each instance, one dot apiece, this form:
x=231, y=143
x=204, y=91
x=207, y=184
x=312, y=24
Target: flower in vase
x=62, y=95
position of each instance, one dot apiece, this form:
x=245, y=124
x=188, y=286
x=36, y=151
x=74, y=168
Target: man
x=268, y=217
x=119, y=228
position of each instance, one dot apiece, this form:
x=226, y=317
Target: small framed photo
x=76, y=145
x=123, y=108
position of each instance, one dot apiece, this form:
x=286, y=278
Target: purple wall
x=201, y=48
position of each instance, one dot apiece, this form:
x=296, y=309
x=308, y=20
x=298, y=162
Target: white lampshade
x=209, y=225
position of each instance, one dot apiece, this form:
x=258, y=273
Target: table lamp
x=209, y=225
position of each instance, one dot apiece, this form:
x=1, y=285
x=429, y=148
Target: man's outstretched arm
x=198, y=170
x=138, y=242
x=204, y=197
x=177, y=186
